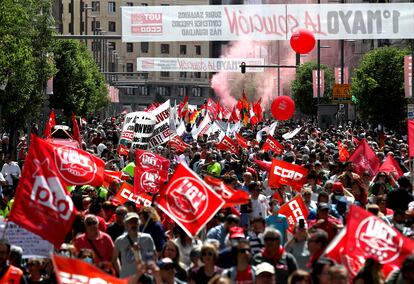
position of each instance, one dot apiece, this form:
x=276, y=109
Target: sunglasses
x=271, y=239
x=209, y=253
x=243, y=251
x=91, y=223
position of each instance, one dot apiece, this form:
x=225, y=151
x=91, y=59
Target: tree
x=79, y=86
x=378, y=87
x=302, y=88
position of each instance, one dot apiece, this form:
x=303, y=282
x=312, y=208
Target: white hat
x=265, y=267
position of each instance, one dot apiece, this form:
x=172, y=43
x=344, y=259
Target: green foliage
x=378, y=87
x=79, y=87
x=302, y=88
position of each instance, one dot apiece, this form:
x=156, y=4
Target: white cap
x=265, y=267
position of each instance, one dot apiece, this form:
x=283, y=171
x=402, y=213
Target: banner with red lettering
x=231, y=196
x=126, y=193
x=272, y=144
x=189, y=201
x=364, y=159
x=178, y=143
x=76, y=271
x=241, y=141
x=227, y=144
x=391, y=166
x=161, y=133
x=151, y=172
x=286, y=173
x=371, y=237
x=294, y=210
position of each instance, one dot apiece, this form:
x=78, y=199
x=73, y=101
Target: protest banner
x=182, y=64
x=126, y=193
x=294, y=210
x=161, y=133
x=32, y=244
x=267, y=22
x=138, y=129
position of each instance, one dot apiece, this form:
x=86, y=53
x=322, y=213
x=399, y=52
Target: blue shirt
x=218, y=233
x=280, y=223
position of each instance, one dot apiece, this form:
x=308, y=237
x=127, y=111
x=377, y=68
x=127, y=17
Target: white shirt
x=10, y=169
x=1, y=180
x=259, y=207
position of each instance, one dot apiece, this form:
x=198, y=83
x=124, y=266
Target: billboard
x=196, y=64
x=267, y=22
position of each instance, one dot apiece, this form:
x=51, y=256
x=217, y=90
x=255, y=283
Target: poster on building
x=321, y=83
x=267, y=22
x=137, y=129
x=408, y=73
x=183, y=64
x=338, y=75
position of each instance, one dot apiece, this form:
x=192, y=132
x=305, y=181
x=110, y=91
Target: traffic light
x=243, y=67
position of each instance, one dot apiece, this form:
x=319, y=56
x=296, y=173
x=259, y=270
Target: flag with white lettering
x=288, y=174
x=294, y=210
x=178, y=144
x=272, y=144
x=151, y=172
x=126, y=193
x=189, y=201
x=227, y=144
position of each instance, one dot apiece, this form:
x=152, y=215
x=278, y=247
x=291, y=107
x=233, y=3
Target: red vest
x=12, y=276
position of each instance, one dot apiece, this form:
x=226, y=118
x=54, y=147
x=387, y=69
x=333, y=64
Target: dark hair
x=258, y=220
x=320, y=236
x=95, y=208
x=404, y=182
x=177, y=256
x=6, y=243
x=232, y=219
x=132, y=204
x=408, y=264
x=318, y=266
x=299, y=275
x=252, y=186
x=376, y=187
x=323, y=194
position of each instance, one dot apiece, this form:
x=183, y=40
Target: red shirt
x=244, y=277
x=327, y=226
x=103, y=244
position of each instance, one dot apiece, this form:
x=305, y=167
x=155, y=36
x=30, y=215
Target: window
x=95, y=25
x=70, y=8
x=183, y=74
x=112, y=45
x=165, y=48
x=130, y=68
x=111, y=26
x=163, y=91
x=129, y=91
x=130, y=47
x=143, y=90
x=130, y=4
x=111, y=7
x=96, y=6
x=183, y=49
x=182, y=91
x=198, y=49
x=165, y=74
x=96, y=46
x=197, y=74
x=196, y=91
x=144, y=47
x=70, y=28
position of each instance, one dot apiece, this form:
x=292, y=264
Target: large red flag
x=391, y=166
x=76, y=132
x=342, y=152
x=286, y=173
x=178, y=143
x=72, y=270
x=234, y=116
x=257, y=109
x=364, y=159
x=272, y=144
x=42, y=204
x=371, y=237
x=189, y=201
x=294, y=210
x=227, y=144
x=231, y=196
x=151, y=172
x=50, y=123
x=183, y=108
x=241, y=141
x=411, y=138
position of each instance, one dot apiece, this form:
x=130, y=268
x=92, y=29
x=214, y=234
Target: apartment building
x=137, y=89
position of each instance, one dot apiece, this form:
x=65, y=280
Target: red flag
x=227, y=144
x=336, y=247
x=263, y=164
x=287, y=173
x=257, y=109
x=189, y=201
x=122, y=150
x=364, y=159
x=114, y=176
x=50, y=123
x=294, y=210
x=126, y=193
x=245, y=111
x=218, y=111
x=72, y=270
x=411, y=138
x=76, y=132
x=234, y=116
x=178, y=143
x=151, y=172
x=42, y=203
x=342, y=152
x=183, y=108
x=371, y=237
x=272, y=144
x=241, y=141
x=231, y=196
x=391, y=166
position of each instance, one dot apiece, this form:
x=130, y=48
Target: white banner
x=32, y=245
x=184, y=64
x=162, y=131
x=267, y=22
x=138, y=128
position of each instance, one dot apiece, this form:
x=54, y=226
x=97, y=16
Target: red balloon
x=283, y=108
x=253, y=120
x=302, y=41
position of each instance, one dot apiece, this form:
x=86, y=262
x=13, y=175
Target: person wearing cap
x=131, y=247
x=325, y=222
x=96, y=240
x=265, y=273
x=166, y=272
x=275, y=254
x=226, y=258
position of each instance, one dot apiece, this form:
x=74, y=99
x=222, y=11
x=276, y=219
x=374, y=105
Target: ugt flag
x=364, y=159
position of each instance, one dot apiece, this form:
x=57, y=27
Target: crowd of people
x=243, y=244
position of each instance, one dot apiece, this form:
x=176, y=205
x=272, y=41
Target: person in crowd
x=339, y=274
x=117, y=228
x=255, y=235
x=370, y=273
x=320, y=271
x=317, y=242
x=11, y=171
x=226, y=256
x=300, y=277
x=150, y=224
x=220, y=231
x=243, y=271
x=219, y=279
x=405, y=275
x=35, y=269
x=209, y=256
x=131, y=247
x=185, y=245
x=277, y=221
x=9, y=273
x=402, y=196
x=167, y=272
x=298, y=245
x=259, y=202
x=265, y=273
x=275, y=254
x=172, y=251
x=323, y=221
